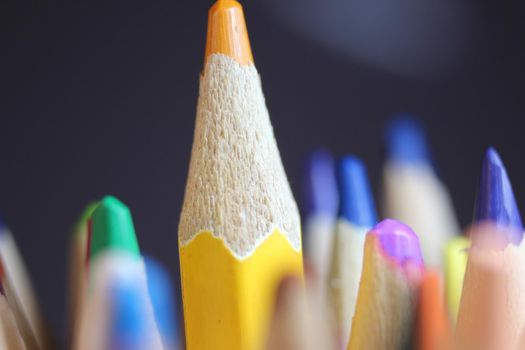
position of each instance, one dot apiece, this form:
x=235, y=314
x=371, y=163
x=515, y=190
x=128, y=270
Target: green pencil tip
x=113, y=228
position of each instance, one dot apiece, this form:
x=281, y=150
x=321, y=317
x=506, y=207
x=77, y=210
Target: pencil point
x=406, y=141
x=399, y=242
x=355, y=195
x=227, y=33
x=319, y=184
x=495, y=201
x=113, y=228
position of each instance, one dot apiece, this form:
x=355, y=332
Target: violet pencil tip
x=319, y=184
x=495, y=201
x=398, y=242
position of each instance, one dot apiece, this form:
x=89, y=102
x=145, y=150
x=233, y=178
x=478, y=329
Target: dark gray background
x=98, y=97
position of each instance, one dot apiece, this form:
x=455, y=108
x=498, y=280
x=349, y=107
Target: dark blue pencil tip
x=495, y=201
x=161, y=292
x=356, y=198
x=129, y=327
x=319, y=184
x=406, y=141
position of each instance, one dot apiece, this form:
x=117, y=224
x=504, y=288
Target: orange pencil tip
x=227, y=33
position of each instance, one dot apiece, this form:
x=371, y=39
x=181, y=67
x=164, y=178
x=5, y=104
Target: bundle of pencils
x=411, y=280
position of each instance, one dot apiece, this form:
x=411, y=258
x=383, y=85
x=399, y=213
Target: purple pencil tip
x=496, y=202
x=398, y=242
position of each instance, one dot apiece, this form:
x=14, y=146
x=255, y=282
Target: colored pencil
x=162, y=296
x=19, y=287
x=412, y=191
x=387, y=297
x=493, y=299
x=456, y=255
x=320, y=210
x=10, y=337
x=77, y=265
x=300, y=320
x=116, y=284
x=433, y=325
x=239, y=230
x=356, y=216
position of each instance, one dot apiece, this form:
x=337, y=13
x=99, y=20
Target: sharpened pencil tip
x=496, y=201
x=406, y=141
x=355, y=195
x=398, y=242
x=227, y=33
x=319, y=184
x=113, y=228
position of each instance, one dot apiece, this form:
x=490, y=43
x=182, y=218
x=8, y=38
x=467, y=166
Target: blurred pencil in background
x=300, y=320
x=78, y=266
x=320, y=205
x=10, y=336
x=356, y=216
x=19, y=292
x=433, y=330
x=412, y=191
x=163, y=296
x=456, y=256
x=117, y=312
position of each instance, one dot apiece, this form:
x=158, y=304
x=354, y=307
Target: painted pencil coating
x=456, y=256
x=433, y=325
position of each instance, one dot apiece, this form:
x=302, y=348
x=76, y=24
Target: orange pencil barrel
x=433, y=327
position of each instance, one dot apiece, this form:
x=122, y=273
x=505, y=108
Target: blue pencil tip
x=406, y=141
x=161, y=292
x=319, y=184
x=129, y=327
x=496, y=200
x=356, y=198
